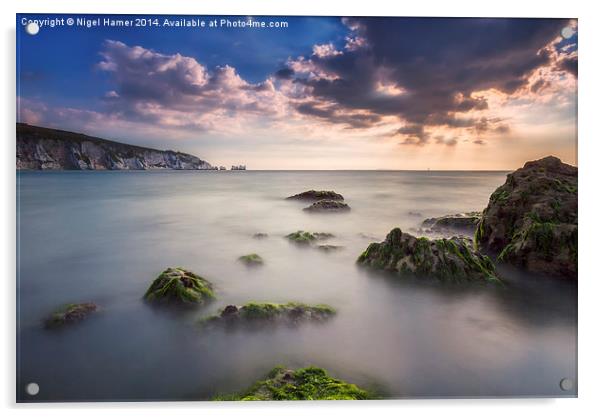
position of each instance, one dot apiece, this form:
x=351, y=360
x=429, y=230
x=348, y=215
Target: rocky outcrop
x=460, y=221
x=302, y=384
x=531, y=220
x=305, y=238
x=177, y=286
x=70, y=314
x=40, y=148
x=327, y=206
x=447, y=260
x=250, y=314
x=313, y=195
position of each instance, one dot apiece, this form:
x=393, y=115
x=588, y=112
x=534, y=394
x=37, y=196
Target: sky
x=313, y=93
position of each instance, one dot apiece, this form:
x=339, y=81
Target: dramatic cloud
x=434, y=69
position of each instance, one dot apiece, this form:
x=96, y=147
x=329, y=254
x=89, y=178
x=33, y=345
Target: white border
x=589, y=201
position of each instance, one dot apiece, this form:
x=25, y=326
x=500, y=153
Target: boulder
x=70, y=314
x=329, y=248
x=313, y=195
x=251, y=260
x=328, y=206
x=260, y=236
x=177, y=286
x=302, y=384
x=270, y=313
x=531, y=220
x=448, y=260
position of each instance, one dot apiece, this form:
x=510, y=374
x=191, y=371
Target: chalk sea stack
x=309, y=383
x=531, y=220
x=253, y=313
x=313, y=195
x=448, y=260
x=70, y=314
x=177, y=286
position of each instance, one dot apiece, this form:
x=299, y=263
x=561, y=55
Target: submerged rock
x=69, y=314
x=531, y=220
x=306, y=238
x=179, y=287
x=302, y=384
x=448, y=260
x=251, y=259
x=313, y=195
x=260, y=236
x=462, y=221
x=328, y=206
x=329, y=248
x=270, y=313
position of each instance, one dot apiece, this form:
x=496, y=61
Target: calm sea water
x=104, y=236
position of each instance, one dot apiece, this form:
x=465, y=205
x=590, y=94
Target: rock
x=448, y=260
x=69, y=314
x=329, y=248
x=270, y=313
x=305, y=238
x=461, y=221
x=414, y=213
x=328, y=206
x=178, y=286
x=260, y=236
x=251, y=260
x=302, y=384
x=313, y=195
x=531, y=220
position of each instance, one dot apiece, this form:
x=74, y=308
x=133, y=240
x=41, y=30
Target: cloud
x=440, y=65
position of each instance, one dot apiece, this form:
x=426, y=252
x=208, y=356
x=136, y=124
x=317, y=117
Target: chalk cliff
x=40, y=148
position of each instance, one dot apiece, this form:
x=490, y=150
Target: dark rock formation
x=260, y=235
x=329, y=248
x=40, y=148
x=69, y=314
x=462, y=221
x=302, y=384
x=448, y=260
x=270, y=313
x=313, y=195
x=531, y=220
x=327, y=206
x=178, y=286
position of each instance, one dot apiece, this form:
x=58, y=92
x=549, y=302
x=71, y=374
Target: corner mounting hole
x=566, y=384
x=32, y=388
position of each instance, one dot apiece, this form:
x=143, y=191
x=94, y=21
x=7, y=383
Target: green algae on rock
x=327, y=206
x=309, y=383
x=451, y=260
x=531, y=220
x=179, y=287
x=69, y=314
x=254, y=313
x=454, y=221
x=251, y=259
x=305, y=238
x=313, y=195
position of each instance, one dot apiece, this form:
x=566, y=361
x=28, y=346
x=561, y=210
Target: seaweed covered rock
x=251, y=259
x=448, y=260
x=460, y=221
x=313, y=195
x=531, y=220
x=178, y=286
x=70, y=314
x=328, y=206
x=305, y=238
x=253, y=313
x=329, y=248
x=309, y=383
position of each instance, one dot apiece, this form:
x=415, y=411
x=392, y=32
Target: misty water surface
x=104, y=236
